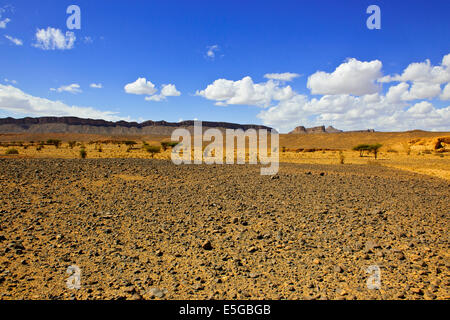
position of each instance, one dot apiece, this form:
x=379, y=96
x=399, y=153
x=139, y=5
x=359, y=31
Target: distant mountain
x=91, y=126
x=322, y=129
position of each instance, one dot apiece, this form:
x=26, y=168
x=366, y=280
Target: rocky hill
x=322, y=129
x=91, y=126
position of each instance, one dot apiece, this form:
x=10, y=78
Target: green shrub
x=168, y=144
x=72, y=144
x=55, y=142
x=12, y=151
x=153, y=150
x=83, y=153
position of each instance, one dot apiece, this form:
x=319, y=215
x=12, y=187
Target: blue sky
x=167, y=42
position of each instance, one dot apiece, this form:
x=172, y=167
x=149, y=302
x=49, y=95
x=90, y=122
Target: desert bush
x=100, y=149
x=283, y=149
x=341, y=157
x=392, y=151
x=55, y=142
x=153, y=150
x=427, y=152
x=83, y=153
x=72, y=144
x=39, y=147
x=130, y=142
x=168, y=144
x=12, y=151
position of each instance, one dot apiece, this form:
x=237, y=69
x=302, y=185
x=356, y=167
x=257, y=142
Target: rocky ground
x=147, y=229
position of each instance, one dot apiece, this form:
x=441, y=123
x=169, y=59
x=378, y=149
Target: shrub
x=341, y=157
x=100, y=149
x=168, y=144
x=130, y=142
x=39, y=147
x=83, y=153
x=12, y=151
x=153, y=150
x=55, y=142
x=72, y=144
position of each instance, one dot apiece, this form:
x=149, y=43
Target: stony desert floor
x=147, y=229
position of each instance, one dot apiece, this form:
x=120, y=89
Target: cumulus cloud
x=167, y=90
x=54, y=39
x=286, y=76
x=96, y=85
x=15, y=100
x=245, y=92
x=351, y=77
x=140, y=86
x=211, y=52
x=143, y=87
x=72, y=88
x=446, y=92
x=351, y=98
x=423, y=72
x=16, y=41
x=349, y=112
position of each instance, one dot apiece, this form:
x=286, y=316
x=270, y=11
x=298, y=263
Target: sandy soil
x=147, y=229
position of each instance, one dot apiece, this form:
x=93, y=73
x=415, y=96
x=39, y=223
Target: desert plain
x=139, y=227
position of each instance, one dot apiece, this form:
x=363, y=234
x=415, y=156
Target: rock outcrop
x=322, y=129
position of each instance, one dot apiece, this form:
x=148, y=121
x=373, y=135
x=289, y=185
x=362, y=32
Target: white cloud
x=168, y=90
x=424, y=72
x=211, y=53
x=446, y=92
x=96, y=85
x=52, y=39
x=88, y=40
x=140, y=86
x=15, y=100
x=350, y=113
x=10, y=81
x=4, y=22
x=16, y=41
x=72, y=88
x=245, y=92
x=286, y=76
x=351, y=77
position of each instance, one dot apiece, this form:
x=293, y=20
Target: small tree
x=361, y=148
x=375, y=148
x=153, y=150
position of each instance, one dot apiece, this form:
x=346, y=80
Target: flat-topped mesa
x=322, y=129
x=319, y=129
x=99, y=126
